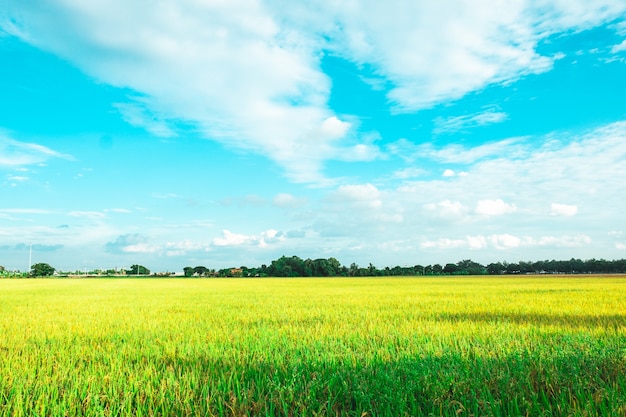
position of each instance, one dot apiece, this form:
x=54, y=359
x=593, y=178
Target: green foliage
x=330, y=347
x=41, y=270
x=138, y=270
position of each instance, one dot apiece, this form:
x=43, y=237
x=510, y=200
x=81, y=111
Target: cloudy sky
x=228, y=133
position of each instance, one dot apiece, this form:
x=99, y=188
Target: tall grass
x=354, y=347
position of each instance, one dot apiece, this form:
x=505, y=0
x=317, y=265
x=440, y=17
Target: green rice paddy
x=472, y=346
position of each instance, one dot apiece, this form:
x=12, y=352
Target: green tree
x=41, y=270
x=138, y=270
x=200, y=270
x=449, y=268
x=188, y=271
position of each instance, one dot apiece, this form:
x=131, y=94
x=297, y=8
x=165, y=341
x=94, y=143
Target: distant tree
x=449, y=269
x=138, y=270
x=200, y=270
x=188, y=271
x=41, y=270
x=495, y=268
x=469, y=267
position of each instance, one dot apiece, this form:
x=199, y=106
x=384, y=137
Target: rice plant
x=539, y=346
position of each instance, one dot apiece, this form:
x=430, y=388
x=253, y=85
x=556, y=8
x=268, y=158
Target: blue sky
x=232, y=133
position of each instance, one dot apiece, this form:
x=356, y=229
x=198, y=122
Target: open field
x=410, y=346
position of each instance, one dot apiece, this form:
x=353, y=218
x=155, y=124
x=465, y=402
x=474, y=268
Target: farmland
x=403, y=346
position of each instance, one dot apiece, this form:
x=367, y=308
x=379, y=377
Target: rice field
x=471, y=346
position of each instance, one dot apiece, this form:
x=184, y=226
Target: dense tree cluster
x=295, y=266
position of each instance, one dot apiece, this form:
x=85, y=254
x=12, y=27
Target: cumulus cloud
x=447, y=209
x=507, y=241
x=564, y=210
x=266, y=238
x=131, y=244
x=494, y=207
x=359, y=194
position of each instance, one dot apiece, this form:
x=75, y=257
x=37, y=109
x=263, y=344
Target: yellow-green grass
x=386, y=347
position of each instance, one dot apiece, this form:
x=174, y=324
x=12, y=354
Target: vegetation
x=360, y=347
x=41, y=270
x=295, y=266
x=138, y=270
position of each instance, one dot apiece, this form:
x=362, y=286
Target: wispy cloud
x=620, y=47
x=137, y=114
x=14, y=153
x=248, y=74
x=455, y=153
x=459, y=123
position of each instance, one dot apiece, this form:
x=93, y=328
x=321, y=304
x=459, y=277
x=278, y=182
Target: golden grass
x=372, y=346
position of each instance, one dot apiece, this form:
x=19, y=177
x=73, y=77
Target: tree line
x=294, y=266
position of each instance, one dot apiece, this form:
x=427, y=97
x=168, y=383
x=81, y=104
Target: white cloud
x=247, y=73
x=141, y=248
x=447, y=209
x=507, y=242
x=407, y=173
x=564, y=210
x=459, y=154
x=132, y=243
x=360, y=194
x=504, y=241
x=285, y=200
x=444, y=243
x=494, y=207
x=434, y=52
x=19, y=178
x=14, y=153
x=136, y=114
x=183, y=247
x=263, y=240
x=232, y=239
x=87, y=214
x=458, y=123
x=448, y=173
x=227, y=67
x=620, y=47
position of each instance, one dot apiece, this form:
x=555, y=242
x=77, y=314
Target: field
x=537, y=346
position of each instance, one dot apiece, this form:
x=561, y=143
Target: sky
x=230, y=133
